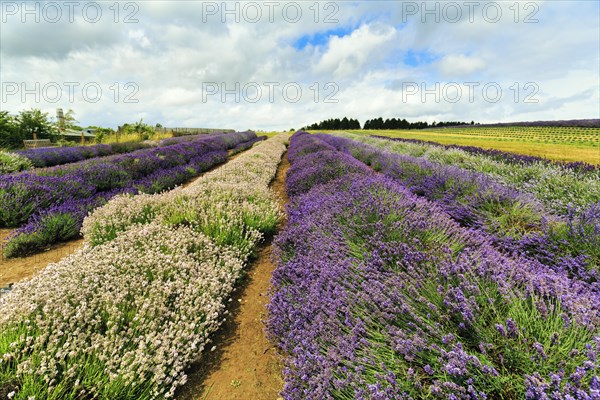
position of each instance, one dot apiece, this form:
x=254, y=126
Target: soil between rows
x=16, y=269
x=244, y=365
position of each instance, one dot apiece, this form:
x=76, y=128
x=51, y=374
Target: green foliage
x=10, y=136
x=70, y=121
x=142, y=130
x=11, y=162
x=397, y=123
x=15, y=129
x=99, y=136
x=34, y=120
x=333, y=124
x=55, y=228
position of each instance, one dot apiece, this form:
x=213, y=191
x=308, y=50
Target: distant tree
x=334, y=124
x=10, y=136
x=70, y=121
x=378, y=123
x=139, y=128
x=144, y=131
x=344, y=124
x=34, y=120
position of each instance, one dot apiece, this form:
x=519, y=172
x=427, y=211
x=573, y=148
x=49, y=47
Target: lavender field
x=124, y=317
x=399, y=277
x=404, y=270
x=300, y=200
x=48, y=205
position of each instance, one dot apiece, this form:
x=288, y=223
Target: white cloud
x=173, y=51
x=452, y=66
x=347, y=55
x=139, y=36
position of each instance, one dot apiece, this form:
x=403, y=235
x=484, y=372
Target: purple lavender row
x=215, y=141
x=246, y=145
x=189, y=138
x=378, y=294
x=502, y=156
x=50, y=156
x=21, y=195
x=516, y=221
x=63, y=222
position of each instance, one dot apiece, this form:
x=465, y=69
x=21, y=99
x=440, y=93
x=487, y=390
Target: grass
x=134, y=137
x=522, y=144
x=268, y=134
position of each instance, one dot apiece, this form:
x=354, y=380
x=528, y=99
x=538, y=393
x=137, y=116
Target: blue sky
x=281, y=65
x=321, y=38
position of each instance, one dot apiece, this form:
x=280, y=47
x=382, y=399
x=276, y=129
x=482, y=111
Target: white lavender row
x=123, y=317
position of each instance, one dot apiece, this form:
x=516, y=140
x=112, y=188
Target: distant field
x=555, y=143
x=269, y=133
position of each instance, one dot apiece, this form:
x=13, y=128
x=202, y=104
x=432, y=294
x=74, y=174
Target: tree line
x=16, y=128
x=22, y=126
x=379, y=123
x=332, y=124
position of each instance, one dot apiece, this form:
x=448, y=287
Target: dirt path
x=244, y=364
x=16, y=269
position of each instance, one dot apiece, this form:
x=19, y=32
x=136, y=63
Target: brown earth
x=15, y=269
x=244, y=365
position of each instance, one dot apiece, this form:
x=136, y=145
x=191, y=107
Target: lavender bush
x=50, y=156
x=246, y=145
x=124, y=318
x=62, y=220
x=499, y=155
x=23, y=194
x=230, y=204
x=516, y=221
x=13, y=162
x=55, y=224
x=379, y=295
x=561, y=188
x=188, y=138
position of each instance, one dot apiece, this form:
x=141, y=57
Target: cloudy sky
x=284, y=64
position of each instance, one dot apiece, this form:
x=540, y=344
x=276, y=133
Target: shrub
x=12, y=162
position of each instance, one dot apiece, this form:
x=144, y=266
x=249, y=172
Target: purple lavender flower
x=360, y=264
x=53, y=205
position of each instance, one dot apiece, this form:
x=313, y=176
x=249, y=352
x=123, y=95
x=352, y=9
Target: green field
x=555, y=143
